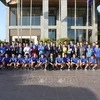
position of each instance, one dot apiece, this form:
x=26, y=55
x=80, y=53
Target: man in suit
x=51, y=62
x=75, y=50
x=19, y=49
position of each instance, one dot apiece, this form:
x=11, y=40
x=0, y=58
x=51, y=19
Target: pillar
x=7, y=25
x=44, y=19
x=63, y=18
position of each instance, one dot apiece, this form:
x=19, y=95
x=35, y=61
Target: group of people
x=49, y=56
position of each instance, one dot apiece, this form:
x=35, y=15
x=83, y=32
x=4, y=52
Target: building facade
x=34, y=19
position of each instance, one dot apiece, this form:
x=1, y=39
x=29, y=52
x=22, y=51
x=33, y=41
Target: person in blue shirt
x=66, y=61
x=93, y=47
x=1, y=66
x=97, y=52
x=37, y=46
x=75, y=62
x=6, y=60
x=83, y=62
x=34, y=61
x=92, y=63
x=71, y=44
x=2, y=49
x=41, y=48
x=43, y=62
x=31, y=45
x=89, y=51
x=19, y=61
x=26, y=61
x=59, y=62
x=13, y=61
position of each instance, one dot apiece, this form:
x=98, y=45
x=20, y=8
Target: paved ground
x=50, y=85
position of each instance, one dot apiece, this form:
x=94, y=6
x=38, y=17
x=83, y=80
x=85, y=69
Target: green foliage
x=46, y=39
x=61, y=40
x=0, y=41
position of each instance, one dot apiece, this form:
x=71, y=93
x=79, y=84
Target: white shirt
x=26, y=50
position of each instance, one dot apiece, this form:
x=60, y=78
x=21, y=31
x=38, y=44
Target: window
x=13, y=16
x=52, y=34
x=52, y=20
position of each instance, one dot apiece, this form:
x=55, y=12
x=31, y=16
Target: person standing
x=81, y=50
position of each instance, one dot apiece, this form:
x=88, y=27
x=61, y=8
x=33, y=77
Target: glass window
x=35, y=20
x=70, y=21
x=26, y=16
x=52, y=34
x=52, y=20
x=36, y=13
x=79, y=21
x=80, y=35
x=13, y=16
x=71, y=34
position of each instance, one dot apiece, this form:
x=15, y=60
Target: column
x=58, y=25
x=94, y=24
x=18, y=19
x=75, y=21
x=63, y=18
x=87, y=24
x=44, y=19
x=21, y=18
x=7, y=25
x=30, y=20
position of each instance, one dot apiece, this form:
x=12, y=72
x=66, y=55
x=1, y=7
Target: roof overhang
x=81, y=3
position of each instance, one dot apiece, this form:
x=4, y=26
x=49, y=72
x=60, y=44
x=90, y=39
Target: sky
x=3, y=20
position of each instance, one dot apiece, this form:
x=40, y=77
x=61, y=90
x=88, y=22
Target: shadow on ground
x=10, y=89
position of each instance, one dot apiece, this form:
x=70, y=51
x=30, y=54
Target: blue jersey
x=2, y=50
x=75, y=60
x=20, y=60
x=34, y=59
x=97, y=52
x=41, y=49
x=0, y=60
x=65, y=59
x=89, y=52
x=27, y=60
x=72, y=46
x=59, y=60
x=6, y=60
x=37, y=46
x=93, y=61
x=31, y=47
x=84, y=60
x=13, y=59
x=42, y=59
x=93, y=47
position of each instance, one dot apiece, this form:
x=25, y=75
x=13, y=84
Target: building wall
x=41, y=23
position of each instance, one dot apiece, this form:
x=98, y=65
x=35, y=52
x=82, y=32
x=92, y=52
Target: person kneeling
x=59, y=62
x=26, y=61
x=43, y=62
x=75, y=62
x=92, y=63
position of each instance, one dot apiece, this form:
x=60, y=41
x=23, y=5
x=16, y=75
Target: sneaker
x=76, y=68
x=45, y=69
x=93, y=69
x=68, y=69
x=61, y=69
x=34, y=68
x=85, y=69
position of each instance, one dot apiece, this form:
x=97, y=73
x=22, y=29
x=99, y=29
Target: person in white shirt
x=27, y=49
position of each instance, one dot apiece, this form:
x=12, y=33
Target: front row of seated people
x=42, y=62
